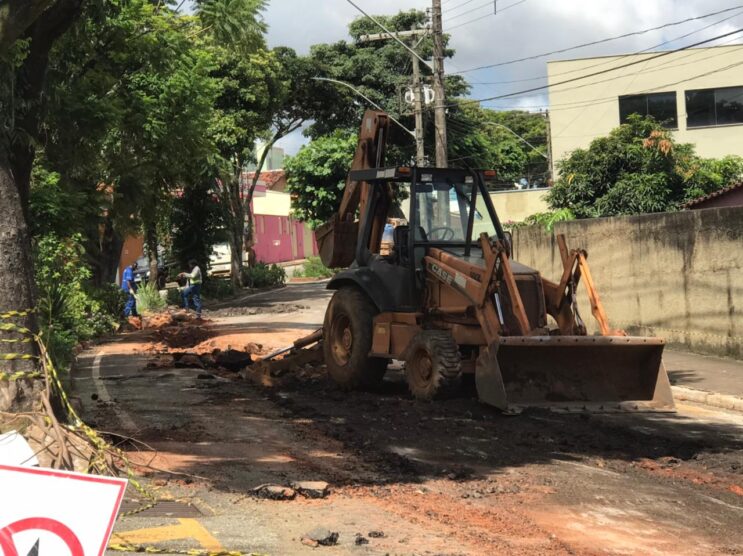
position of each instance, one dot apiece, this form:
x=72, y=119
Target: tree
x=300, y=99
x=131, y=96
x=248, y=87
x=28, y=31
x=638, y=168
x=316, y=176
x=196, y=221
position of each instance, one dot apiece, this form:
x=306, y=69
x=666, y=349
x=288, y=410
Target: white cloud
x=532, y=27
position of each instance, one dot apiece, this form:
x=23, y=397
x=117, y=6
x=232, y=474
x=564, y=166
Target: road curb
x=723, y=401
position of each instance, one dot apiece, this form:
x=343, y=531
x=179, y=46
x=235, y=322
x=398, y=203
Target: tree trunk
x=150, y=239
x=16, y=291
x=104, y=253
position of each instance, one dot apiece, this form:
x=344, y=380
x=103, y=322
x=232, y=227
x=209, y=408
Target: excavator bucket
x=336, y=242
x=575, y=373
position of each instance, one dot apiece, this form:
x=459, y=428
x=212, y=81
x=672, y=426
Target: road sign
x=44, y=512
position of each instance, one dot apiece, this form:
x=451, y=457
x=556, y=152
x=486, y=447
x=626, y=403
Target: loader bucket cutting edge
x=576, y=373
x=336, y=241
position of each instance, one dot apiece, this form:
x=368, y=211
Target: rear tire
x=432, y=363
x=347, y=341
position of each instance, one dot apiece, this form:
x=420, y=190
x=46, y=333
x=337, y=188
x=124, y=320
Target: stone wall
x=674, y=275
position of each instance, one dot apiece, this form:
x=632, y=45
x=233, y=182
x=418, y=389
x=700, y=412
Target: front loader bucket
x=336, y=242
x=575, y=373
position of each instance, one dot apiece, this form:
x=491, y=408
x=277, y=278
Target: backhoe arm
x=337, y=239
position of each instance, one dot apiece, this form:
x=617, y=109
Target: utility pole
x=420, y=153
x=549, y=149
x=442, y=157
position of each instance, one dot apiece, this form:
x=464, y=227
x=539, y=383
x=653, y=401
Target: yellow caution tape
x=10, y=327
x=16, y=357
x=16, y=340
x=10, y=377
x=140, y=549
x=14, y=314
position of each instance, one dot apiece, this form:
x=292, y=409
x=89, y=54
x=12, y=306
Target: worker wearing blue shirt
x=130, y=287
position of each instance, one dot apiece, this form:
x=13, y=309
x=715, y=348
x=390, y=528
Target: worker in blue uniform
x=129, y=286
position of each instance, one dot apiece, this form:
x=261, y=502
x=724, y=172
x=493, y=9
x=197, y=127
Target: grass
x=314, y=268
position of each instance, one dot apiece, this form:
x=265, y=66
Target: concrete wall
x=584, y=110
x=515, y=206
x=675, y=275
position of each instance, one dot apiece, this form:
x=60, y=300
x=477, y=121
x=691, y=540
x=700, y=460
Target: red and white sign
x=56, y=513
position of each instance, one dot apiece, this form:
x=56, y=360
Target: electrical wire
x=612, y=59
x=447, y=10
x=601, y=41
x=608, y=70
x=503, y=9
x=594, y=102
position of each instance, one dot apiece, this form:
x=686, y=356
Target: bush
x=149, y=299
x=218, y=288
x=313, y=268
x=262, y=275
x=174, y=297
x=69, y=310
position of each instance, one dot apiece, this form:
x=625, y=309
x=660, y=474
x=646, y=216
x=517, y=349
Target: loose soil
x=449, y=477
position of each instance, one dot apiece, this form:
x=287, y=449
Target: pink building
x=279, y=237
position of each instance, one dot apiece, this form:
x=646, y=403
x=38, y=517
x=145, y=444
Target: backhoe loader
x=447, y=299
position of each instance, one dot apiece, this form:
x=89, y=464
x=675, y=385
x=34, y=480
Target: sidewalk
x=705, y=379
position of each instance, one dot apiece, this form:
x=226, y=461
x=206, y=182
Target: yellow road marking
x=186, y=529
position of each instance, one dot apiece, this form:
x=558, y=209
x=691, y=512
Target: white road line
x=104, y=396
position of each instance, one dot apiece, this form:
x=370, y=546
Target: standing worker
x=130, y=287
x=193, y=291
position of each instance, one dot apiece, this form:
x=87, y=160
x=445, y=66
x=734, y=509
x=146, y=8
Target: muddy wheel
x=432, y=364
x=347, y=334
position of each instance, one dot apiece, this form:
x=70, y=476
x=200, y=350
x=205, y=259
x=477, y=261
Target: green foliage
x=174, y=297
x=262, y=275
x=69, y=310
x=638, y=168
x=218, y=288
x=129, y=97
x=313, y=268
x=237, y=24
x=545, y=219
x=149, y=299
x=316, y=176
x=196, y=223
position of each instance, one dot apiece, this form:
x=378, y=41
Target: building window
x=710, y=107
x=661, y=106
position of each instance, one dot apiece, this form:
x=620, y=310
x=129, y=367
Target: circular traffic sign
x=52, y=526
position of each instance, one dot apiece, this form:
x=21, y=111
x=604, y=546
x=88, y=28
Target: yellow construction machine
x=445, y=297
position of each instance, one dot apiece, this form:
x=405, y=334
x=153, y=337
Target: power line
x=597, y=101
x=601, y=41
x=488, y=3
x=612, y=58
x=503, y=9
x=391, y=34
x=457, y=6
x=608, y=70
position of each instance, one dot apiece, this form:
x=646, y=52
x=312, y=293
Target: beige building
x=698, y=93
x=517, y=206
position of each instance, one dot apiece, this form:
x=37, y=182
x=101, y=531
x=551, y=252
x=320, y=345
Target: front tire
x=432, y=364
x=347, y=334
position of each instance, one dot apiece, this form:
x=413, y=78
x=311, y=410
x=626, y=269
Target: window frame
x=673, y=126
x=714, y=91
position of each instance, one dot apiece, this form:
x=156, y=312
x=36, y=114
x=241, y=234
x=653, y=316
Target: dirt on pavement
x=448, y=477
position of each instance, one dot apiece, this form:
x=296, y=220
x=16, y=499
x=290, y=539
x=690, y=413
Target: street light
x=367, y=99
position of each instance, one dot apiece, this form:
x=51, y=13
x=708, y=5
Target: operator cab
x=444, y=208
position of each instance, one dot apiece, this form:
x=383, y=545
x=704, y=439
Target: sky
x=522, y=28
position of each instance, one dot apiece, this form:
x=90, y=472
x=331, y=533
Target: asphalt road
x=451, y=477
